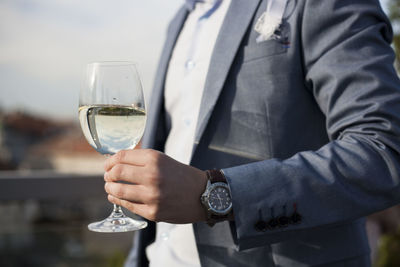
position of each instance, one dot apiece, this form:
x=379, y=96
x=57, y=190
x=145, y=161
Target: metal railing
x=44, y=216
x=47, y=185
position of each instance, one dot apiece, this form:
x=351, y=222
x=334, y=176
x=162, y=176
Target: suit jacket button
x=260, y=226
x=295, y=218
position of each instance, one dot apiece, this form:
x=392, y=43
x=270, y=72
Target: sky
x=45, y=46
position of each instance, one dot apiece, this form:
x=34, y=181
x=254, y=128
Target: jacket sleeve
x=348, y=65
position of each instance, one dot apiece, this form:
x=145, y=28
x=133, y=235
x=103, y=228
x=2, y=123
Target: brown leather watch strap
x=215, y=176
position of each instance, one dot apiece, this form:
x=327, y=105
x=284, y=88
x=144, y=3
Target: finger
x=139, y=145
x=136, y=208
x=124, y=172
x=132, y=157
x=132, y=193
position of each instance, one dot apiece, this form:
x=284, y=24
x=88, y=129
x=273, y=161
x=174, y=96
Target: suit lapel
x=238, y=17
x=155, y=135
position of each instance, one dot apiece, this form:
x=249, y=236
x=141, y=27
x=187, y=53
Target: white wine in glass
x=112, y=115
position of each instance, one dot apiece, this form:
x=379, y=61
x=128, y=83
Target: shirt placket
x=192, y=58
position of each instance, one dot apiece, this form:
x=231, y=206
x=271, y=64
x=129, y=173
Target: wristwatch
x=216, y=199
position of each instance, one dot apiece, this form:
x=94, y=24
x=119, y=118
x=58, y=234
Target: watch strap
x=212, y=219
x=215, y=176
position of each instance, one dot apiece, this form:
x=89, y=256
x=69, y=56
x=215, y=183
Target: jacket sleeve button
x=283, y=221
x=273, y=223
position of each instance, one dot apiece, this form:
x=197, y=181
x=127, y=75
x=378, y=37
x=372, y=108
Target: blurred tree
x=394, y=15
x=389, y=245
x=389, y=249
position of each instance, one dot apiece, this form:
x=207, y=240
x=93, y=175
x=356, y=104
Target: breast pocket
x=263, y=49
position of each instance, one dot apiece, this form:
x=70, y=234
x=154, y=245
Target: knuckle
x=117, y=171
x=128, y=205
x=121, y=155
x=110, y=198
x=153, y=213
x=154, y=196
x=153, y=156
x=106, y=165
x=148, y=152
x=119, y=191
x=154, y=177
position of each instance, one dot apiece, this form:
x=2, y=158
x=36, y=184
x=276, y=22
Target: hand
x=160, y=188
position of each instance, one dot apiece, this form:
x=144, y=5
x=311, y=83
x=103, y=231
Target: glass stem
x=117, y=211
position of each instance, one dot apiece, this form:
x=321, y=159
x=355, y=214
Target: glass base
x=117, y=222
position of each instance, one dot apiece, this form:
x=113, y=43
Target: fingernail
x=105, y=176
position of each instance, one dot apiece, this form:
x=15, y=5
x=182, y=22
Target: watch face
x=220, y=200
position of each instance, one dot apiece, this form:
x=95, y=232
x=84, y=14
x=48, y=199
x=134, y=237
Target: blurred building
x=28, y=142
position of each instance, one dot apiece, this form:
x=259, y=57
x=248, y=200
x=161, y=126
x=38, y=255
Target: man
x=299, y=107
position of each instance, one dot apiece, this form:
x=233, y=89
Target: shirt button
x=164, y=236
x=187, y=121
x=189, y=64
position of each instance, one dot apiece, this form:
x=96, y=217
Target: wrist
x=202, y=185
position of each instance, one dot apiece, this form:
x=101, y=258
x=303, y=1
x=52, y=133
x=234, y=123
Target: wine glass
x=112, y=116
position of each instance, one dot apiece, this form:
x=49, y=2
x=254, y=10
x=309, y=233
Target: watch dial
x=220, y=199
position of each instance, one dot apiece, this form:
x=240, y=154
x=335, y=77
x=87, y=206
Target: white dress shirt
x=175, y=244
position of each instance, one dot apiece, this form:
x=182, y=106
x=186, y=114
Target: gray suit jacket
x=305, y=126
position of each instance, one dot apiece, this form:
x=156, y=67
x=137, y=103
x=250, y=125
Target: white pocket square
x=270, y=20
